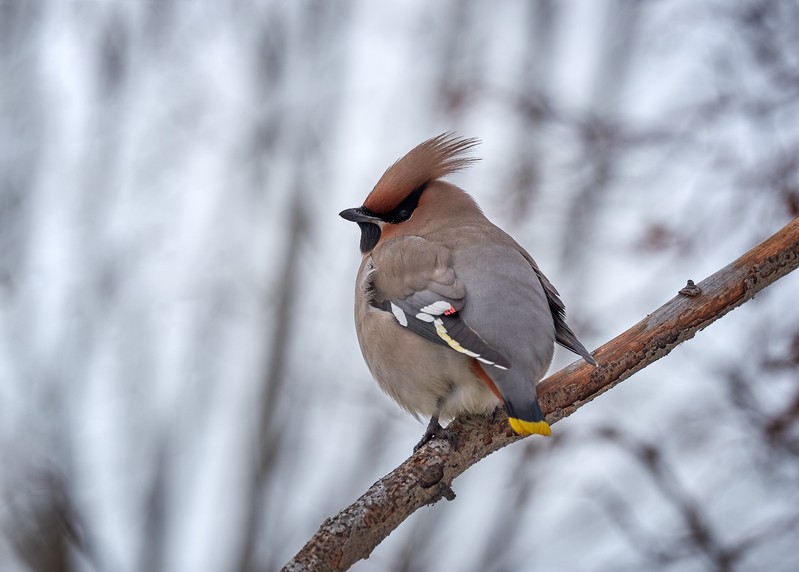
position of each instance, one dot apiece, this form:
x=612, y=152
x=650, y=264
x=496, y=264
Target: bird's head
x=409, y=196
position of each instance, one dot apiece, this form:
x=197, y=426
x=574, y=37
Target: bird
x=452, y=315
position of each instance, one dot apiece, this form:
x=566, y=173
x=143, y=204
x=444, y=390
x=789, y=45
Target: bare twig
x=427, y=475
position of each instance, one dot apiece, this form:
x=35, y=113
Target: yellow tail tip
x=529, y=427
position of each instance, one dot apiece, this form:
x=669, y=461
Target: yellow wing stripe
x=529, y=427
x=442, y=333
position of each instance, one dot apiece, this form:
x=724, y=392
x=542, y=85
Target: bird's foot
x=436, y=431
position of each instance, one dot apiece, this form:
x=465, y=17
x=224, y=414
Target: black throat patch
x=370, y=234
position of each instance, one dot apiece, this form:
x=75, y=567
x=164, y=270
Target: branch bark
x=426, y=476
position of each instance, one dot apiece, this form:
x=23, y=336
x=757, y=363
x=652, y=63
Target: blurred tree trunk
x=600, y=132
x=542, y=20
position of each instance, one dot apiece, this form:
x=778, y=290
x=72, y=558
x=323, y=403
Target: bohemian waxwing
x=452, y=315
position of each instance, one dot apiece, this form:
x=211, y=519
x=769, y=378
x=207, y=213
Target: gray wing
x=434, y=314
x=415, y=281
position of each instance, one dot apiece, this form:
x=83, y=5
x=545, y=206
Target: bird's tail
x=528, y=420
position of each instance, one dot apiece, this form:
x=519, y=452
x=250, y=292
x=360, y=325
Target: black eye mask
x=370, y=232
x=405, y=209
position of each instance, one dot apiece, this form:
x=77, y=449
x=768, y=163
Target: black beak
x=359, y=215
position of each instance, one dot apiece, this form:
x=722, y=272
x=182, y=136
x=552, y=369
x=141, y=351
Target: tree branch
x=426, y=476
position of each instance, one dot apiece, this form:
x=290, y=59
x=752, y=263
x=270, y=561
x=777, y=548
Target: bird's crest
x=434, y=159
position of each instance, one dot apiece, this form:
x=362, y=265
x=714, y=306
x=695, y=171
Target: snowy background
x=180, y=383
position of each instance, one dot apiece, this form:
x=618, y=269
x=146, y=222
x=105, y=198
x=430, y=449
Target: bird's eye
x=404, y=214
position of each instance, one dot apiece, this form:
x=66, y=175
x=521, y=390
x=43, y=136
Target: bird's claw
x=436, y=431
